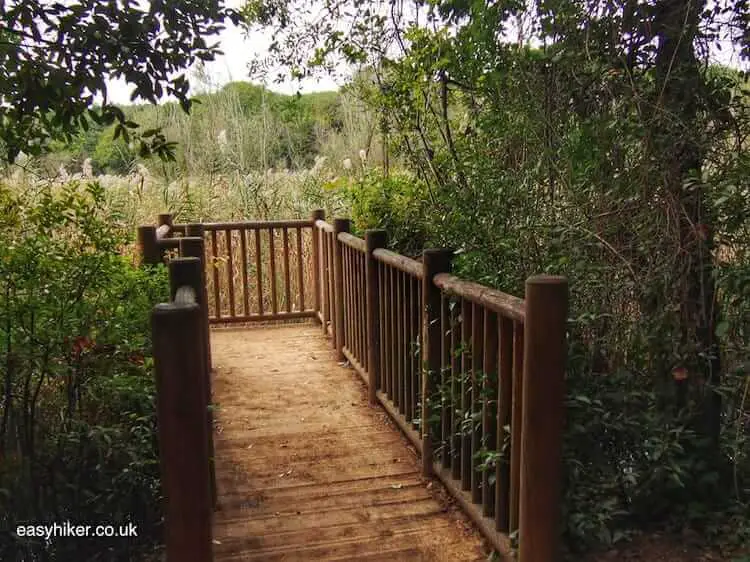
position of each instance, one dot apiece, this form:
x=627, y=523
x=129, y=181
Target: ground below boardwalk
x=307, y=470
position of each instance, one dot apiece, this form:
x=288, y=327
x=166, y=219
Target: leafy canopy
x=56, y=58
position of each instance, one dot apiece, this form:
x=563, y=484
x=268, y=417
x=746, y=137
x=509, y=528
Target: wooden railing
x=473, y=377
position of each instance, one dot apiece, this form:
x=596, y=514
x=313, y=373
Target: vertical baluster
x=477, y=354
x=272, y=259
x=416, y=367
x=466, y=428
x=515, y=425
x=230, y=271
x=455, y=391
x=504, y=410
x=489, y=405
x=348, y=298
x=394, y=337
x=387, y=306
x=317, y=260
x=300, y=271
x=287, y=272
x=445, y=372
x=324, y=280
x=259, y=271
x=407, y=407
x=245, y=288
x=382, y=305
x=215, y=264
x=362, y=292
x=399, y=342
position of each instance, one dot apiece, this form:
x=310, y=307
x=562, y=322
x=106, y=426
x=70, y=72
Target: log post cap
x=437, y=260
x=147, y=228
x=341, y=225
x=180, y=262
x=543, y=279
x=167, y=310
x=165, y=218
x=437, y=251
x=318, y=214
x=375, y=238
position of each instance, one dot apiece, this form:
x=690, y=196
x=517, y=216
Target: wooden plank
x=230, y=270
x=497, y=301
x=215, y=266
x=466, y=433
x=272, y=263
x=287, y=271
x=516, y=425
x=259, y=271
x=489, y=405
x=401, y=263
x=504, y=411
x=300, y=270
x=477, y=353
x=245, y=287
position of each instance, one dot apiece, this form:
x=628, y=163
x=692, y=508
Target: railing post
x=187, y=271
x=193, y=245
x=183, y=444
x=434, y=261
x=339, y=225
x=317, y=214
x=148, y=248
x=373, y=239
x=165, y=218
x=542, y=418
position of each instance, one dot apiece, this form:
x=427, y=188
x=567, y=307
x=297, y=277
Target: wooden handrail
x=323, y=225
x=253, y=225
x=496, y=301
x=402, y=263
x=353, y=242
x=434, y=349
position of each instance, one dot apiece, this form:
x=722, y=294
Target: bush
x=395, y=203
x=77, y=417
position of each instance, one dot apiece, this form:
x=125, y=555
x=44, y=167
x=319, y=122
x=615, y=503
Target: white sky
x=232, y=66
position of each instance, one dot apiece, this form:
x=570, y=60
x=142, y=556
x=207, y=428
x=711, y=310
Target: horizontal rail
x=492, y=299
x=323, y=225
x=255, y=225
x=402, y=263
x=353, y=242
x=262, y=317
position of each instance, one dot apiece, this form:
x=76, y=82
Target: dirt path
x=307, y=470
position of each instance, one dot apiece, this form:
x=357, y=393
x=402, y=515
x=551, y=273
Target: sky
x=232, y=66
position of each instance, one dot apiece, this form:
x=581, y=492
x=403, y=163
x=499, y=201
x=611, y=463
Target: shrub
x=77, y=422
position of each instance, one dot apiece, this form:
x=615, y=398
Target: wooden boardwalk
x=308, y=470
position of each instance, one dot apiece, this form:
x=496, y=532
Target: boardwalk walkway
x=307, y=470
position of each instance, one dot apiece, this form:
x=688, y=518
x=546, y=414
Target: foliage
x=77, y=421
x=613, y=153
x=394, y=203
x=55, y=59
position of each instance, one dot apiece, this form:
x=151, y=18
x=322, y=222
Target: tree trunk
x=675, y=135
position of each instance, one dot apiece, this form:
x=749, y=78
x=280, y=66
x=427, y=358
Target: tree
x=56, y=58
x=609, y=152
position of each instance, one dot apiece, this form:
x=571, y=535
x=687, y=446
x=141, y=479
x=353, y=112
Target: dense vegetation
x=614, y=153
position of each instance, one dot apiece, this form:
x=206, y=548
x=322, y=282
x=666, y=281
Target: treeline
x=241, y=127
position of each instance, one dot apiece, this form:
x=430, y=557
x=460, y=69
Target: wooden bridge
x=367, y=405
